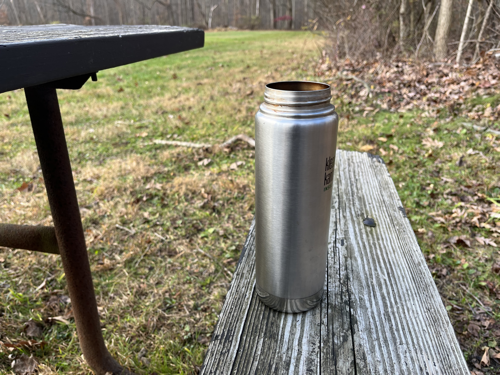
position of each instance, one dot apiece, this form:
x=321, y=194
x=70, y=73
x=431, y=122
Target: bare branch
x=226, y=144
x=480, y=36
x=77, y=12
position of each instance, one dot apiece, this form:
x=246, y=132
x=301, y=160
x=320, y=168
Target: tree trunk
x=212, y=8
x=257, y=5
x=15, y=12
x=483, y=26
x=412, y=19
x=443, y=27
x=427, y=23
x=90, y=10
x=40, y=11
x=464, y=32
x=402, y=24
x=203, y=14
x=120, y=12
x=272, y=11
x=289, y=12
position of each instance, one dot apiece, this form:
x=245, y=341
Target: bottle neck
x=297, y=93
x=297, y=99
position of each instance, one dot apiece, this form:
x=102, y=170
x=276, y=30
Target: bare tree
x=272, y=12
x=212, y=8
x=483, y=27
x=464, y=32
x=427, y=23
x=289, y=13
x=15, y=12
x=402, y=24
x=442, y=30
x=78, y=12
x=39, y=10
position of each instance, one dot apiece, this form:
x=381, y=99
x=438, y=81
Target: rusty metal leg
x=34, y=238
x=52, y=151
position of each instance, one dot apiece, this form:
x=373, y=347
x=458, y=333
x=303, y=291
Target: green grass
x=157, y=289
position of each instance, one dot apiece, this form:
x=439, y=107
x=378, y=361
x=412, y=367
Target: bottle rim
x=297, y=93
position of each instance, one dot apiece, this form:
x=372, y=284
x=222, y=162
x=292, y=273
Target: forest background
x=357, y=28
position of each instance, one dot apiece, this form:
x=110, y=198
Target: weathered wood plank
x=337, y=350
x=398, y=319
x=381, y=313
x=226, y=338
x=437, y=319
x=270, y=341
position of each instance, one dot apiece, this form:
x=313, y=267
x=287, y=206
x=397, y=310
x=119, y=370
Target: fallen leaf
x=235, y=165
x=24, y=187
x=30, y=344
x=142, y=135
x=366, y=148
x=32, y=329
x=460, y=240
x=485, y=241
x=473, y=329
x=485, y=361
x=249, y=92
x=439, y=219
x=382, y=139
x=120, y=89
x=432, y=143
x=496, y=268
x=394, y=147
x=24, y=365
x=203, y=340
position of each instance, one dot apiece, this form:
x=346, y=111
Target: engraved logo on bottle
x=330, y=162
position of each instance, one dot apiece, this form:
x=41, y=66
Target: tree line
x=459, y=29
x=207, y=14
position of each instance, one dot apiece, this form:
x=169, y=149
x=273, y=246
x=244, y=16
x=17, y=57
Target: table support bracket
x=47, y=126
x=29, y=237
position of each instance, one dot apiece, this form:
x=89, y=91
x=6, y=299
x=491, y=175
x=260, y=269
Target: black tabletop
x=32, y=55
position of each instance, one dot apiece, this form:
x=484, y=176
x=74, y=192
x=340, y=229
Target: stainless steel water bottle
x=295, y=139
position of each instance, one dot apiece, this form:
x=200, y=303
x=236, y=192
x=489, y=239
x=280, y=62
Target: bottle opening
x=297, y=93
x=298, y=86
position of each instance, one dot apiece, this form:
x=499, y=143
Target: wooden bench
x=381, y=313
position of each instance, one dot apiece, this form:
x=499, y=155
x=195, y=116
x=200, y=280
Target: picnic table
x=381, y=312
x=41, y=59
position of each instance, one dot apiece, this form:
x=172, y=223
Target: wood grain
x=381, y=314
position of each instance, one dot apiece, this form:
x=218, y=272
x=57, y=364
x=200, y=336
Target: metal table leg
x=51, y=144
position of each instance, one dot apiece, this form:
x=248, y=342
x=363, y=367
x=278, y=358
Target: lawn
x=164, y=225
